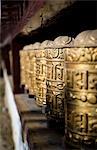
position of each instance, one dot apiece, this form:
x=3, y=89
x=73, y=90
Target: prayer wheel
x=55, y=79
x=27, y=51
x=22, y=68
x=81, y=90
x=31, y=72
x=41, y=73
x=32, y=59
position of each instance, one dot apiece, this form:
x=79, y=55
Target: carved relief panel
x=55, y=83
x=41, y=73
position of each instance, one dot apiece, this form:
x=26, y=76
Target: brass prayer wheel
x=27, y=51
x=33, y=54
x=32, y=83
x=22, y=67
x=55, y=78
x=81, y=90
x=41, y=74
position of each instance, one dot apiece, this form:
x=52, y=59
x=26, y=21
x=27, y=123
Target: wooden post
x=16, y=46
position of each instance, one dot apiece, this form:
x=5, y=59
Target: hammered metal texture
x=80, y=72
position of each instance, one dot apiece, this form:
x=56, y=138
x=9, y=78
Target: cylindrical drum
x=27, y=66
x=55, y=79
x=81, y=91
x=41, y=75
x=22, y=67
x=32, y=73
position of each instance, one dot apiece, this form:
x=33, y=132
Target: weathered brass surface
x=31, y=72
x=27, y=63
x=55, y=78
x=81, y=95
x=27, y=71
x=55, y=84
x=41, y=76
x=56, y=67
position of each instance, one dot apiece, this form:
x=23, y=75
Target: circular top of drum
x=59, y=42
x=28, y=47
x=63, y=41
x=47, y=44
x=36, y=45
x=86, y=39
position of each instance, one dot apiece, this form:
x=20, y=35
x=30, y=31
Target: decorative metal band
x=55, y=84
x=81, y=95
x=81, y=55
x=41, y=73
